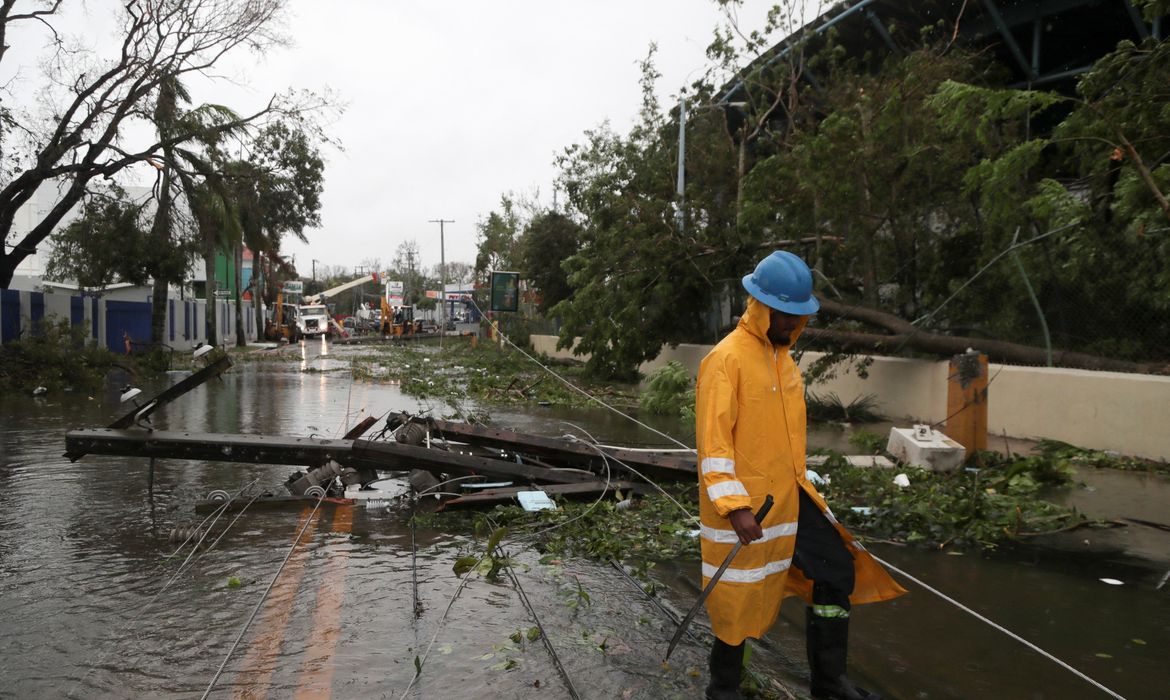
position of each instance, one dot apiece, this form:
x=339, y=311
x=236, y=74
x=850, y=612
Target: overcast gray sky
x=448, y=103
x=452, y=103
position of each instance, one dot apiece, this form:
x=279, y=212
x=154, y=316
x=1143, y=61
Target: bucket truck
x=309, y=316
x=313, y=316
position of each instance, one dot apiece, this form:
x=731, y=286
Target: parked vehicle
x=310, y=317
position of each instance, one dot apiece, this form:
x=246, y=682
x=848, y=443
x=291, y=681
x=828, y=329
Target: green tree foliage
x=639, y=279
x=55, y=356
x=1091, y=192
x=670, y=391
x=109, y=242
x=188, y=176
x=498, y=235
x=280, y=185
x=277, y=192
x=911, y=184
x=873, y=184
x=547, y=241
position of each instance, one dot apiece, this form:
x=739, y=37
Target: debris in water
x=1112, y=581
x=533, y=501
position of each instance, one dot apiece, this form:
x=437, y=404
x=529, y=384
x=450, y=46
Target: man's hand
x=745, y=525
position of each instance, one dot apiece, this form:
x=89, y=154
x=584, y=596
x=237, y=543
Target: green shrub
x=829, y=407
x=670, y=391
x=55, y=356
x=869, y=443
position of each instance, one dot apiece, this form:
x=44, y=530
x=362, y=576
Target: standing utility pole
x=682, y=154
x=442, y=275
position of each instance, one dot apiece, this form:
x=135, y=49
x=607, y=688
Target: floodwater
x=93, y=606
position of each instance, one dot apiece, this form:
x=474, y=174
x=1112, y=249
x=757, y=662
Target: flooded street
x=84, y=555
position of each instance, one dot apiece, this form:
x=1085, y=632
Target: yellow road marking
x=316, y=675
x=260, y=662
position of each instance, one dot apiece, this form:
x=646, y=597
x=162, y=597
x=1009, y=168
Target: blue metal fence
x=127, y=319
x=9, y=315
x=76, y=311
x=37, y=310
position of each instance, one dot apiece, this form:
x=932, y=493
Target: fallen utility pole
x=659, y=465
x=267, y=449
x=168, y=395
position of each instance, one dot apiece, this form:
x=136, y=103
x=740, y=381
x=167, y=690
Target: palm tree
x=195, y=176
x=277, y=191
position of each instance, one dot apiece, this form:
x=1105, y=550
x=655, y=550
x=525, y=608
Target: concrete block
x=922, y=446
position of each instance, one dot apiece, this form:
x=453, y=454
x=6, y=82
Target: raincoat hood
x=758, y=317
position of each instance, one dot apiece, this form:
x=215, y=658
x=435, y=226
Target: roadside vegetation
x=1002, y=502
x=670, y=391
x=459, y=371
x=57, y=358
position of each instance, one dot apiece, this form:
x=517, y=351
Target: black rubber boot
x=726, y=669
x=828, y=645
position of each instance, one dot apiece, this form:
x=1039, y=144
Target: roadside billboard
x=505, y=291
x=394, y=292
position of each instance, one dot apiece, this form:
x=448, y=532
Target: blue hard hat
x=783, y=282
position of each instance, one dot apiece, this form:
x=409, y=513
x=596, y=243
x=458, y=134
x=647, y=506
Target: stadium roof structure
x=1043, y=43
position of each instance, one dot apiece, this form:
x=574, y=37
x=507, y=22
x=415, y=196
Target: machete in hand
x=682, y=627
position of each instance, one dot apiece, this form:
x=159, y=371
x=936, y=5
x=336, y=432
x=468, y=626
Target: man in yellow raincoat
x=750, y=424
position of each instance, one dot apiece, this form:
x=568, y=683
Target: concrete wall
x=1127, y=413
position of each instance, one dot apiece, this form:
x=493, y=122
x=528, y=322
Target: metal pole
x=682, y=146
x=442, y=275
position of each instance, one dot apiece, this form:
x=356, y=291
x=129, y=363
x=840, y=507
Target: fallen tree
x=904, y=335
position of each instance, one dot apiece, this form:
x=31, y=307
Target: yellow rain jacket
x=750, y=424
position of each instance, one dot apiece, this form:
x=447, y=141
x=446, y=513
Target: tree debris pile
x=459, y=371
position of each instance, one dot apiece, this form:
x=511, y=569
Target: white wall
x=1127, y=413
x=57, y=305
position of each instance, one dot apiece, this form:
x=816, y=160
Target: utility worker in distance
x=750, y=425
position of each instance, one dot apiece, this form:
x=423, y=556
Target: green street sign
x=505, y=291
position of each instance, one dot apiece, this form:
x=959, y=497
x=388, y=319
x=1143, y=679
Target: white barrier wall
x=1127, y=413
x=185, y=325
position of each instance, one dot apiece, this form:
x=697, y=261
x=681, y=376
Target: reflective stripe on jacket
x=750, y=426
